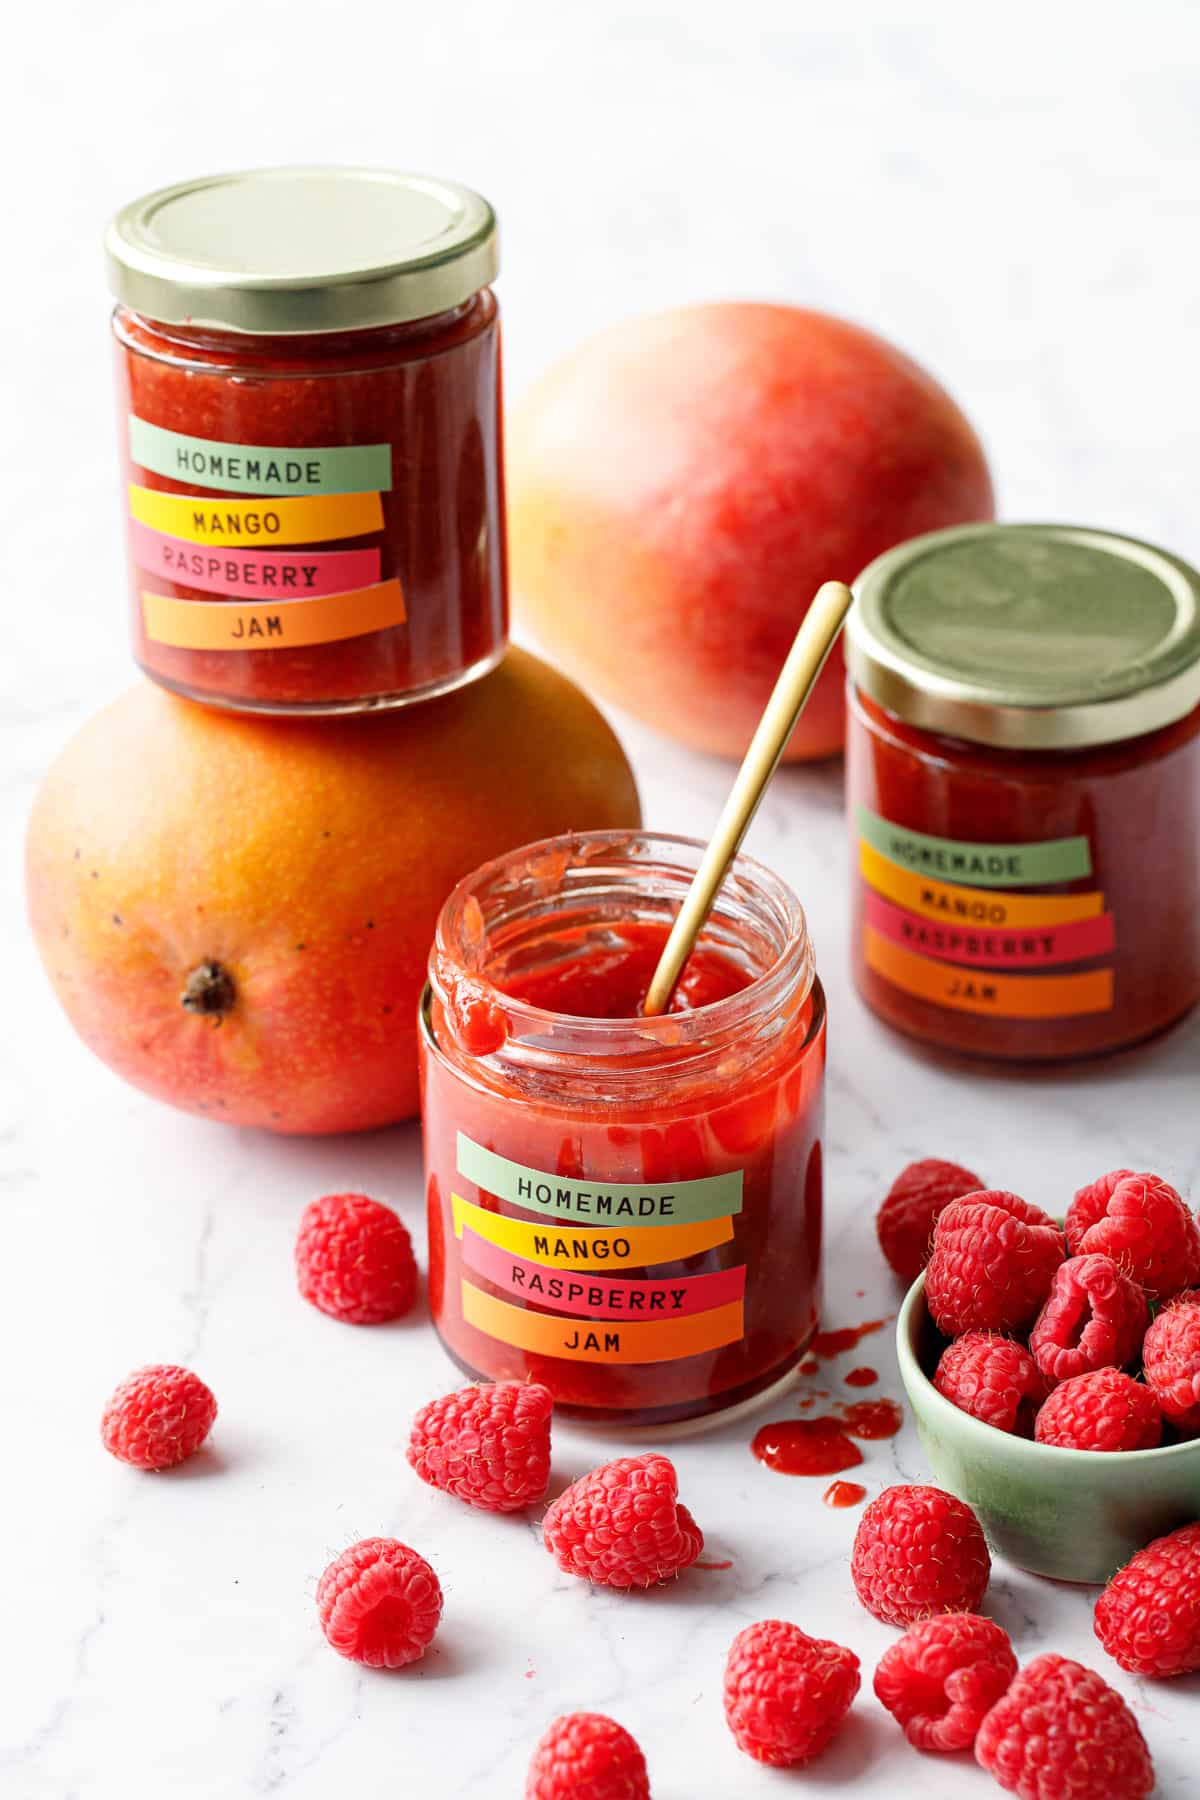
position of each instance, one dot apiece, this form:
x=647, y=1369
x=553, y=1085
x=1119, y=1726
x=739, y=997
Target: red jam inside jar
x=308, y=389
x=1023, y=778
x=626, y=1209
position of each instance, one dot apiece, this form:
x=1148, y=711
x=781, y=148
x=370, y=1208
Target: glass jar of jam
x=625, y=1208
x=308, y=387
x=1024, y=790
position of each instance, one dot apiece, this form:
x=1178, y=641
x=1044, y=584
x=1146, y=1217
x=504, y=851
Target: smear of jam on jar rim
x=805, y=1447
x=844, y=1493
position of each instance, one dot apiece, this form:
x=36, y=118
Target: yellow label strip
x=972, y=906
x=258, y=523
x=561, y=1246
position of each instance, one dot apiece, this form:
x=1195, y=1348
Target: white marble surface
x=1008, y=194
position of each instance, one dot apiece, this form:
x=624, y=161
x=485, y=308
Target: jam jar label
x=568, y=1262
x=259, y=468
x=252, y=552
x=943, y=922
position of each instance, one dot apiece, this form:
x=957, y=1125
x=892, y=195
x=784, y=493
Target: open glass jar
x=1023, y=777
x=308, y=389
x=627, y=1209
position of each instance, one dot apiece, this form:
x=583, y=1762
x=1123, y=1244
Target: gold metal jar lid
x=1047, y=637
x=277, y=251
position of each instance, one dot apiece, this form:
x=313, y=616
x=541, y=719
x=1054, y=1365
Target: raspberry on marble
x=622, y=1525
x=1148, y=1617
x=1061, y=1733
x=379, y=1603
x=587, y=1756
x=919, y=1551
x=943, y=1677
x=488, y=1445
x=354, y=1260
x=786, y=1693
x=158, y=1417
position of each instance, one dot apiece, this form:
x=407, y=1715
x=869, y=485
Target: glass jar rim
x=790, y=975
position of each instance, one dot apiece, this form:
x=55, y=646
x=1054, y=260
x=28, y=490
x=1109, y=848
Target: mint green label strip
x=600, y=1202
x=977, y=865
x=260, y=468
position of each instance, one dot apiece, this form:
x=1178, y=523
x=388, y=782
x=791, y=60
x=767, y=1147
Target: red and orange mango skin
x=287, y=876
x=681, y=485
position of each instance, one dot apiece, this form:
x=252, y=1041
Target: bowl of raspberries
x=1054, y=1367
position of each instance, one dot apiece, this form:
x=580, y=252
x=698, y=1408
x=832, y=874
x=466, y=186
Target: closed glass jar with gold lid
x=1024, y=789
x=308, y=385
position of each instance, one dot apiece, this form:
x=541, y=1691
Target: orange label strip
x=601, y=1340
x=976, y=991
x=226, y=625
x=972, y=906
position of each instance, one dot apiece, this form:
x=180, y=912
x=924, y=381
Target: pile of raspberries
x=1088, y=1336
x=919, y=1562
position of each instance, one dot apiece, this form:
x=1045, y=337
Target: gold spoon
x=805, y=660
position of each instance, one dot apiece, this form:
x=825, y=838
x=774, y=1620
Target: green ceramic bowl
x=1076, y=1515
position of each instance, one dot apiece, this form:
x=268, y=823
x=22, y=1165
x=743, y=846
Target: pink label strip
x=253, y=574
x=1033, y=946
x=594, y=1296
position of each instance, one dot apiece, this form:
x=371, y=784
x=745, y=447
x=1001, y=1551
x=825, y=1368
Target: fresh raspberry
x=1104, y=1410
x=1171, y=1361
x=489, y=1446
x=622, y=1527
x=1094, y=1318
x=379, y=1603
x=918, y=1551
x=993, y=1260
x=1146, y=1229
x=943, y=1676
x=1061, y=1733
x=1089, y=1205
x=993, y=1379
x=785, y=1692
x=1148, y=1617
x=586, y=1756
x=354, y=1260
x=158, y=1416
x=904, y=1223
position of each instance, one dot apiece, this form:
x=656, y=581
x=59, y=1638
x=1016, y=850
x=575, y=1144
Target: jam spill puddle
x=861, y=1377
x=833, y=1343
x=844, y=1493
x=825, y=1445
x=872, y=1418
x=805, y=1447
